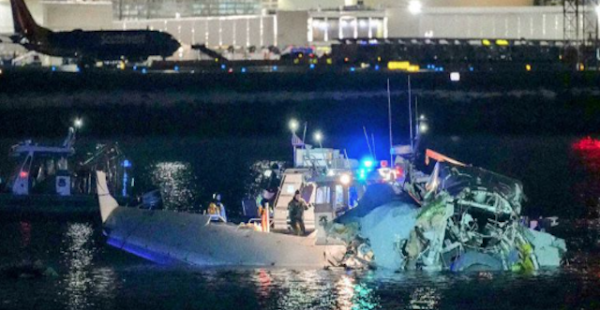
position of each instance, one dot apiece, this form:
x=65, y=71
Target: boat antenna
x=410, y=119
x=367, y=138
x=390, y=119
x=417, y=118
x=347, y=160
x=304, y=136
x=373, y=144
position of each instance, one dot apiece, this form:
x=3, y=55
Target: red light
x=587, y=144
x=399, y=172
x=383, y=163
x=23, y=174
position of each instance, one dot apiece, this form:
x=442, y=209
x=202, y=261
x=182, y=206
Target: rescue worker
x=216, y=207
x=296, y=209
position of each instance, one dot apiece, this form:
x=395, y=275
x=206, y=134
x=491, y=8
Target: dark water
x=94, y=276
x=558, y=179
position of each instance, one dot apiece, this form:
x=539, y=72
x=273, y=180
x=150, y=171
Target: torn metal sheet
x=469, y=219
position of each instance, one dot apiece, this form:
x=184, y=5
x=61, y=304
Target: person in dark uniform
x=296, y=208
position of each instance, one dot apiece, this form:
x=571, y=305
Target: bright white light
x=454, y=76
x=293, y=125
x=415, y=7
x=318, y=136
x=345, y=179
x=330, y=173
x=423, y=128
x=597, y=10
x=422, y=117
x=78, y=123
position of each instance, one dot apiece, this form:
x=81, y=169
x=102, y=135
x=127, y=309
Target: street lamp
x=415, y=7
x=319, y=138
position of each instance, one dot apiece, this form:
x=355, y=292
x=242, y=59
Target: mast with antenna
x=410, y=116
x=390, y=119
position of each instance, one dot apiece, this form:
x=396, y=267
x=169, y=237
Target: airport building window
x=148, y=9
x=327, y=29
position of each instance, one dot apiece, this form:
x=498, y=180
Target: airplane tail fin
x=107, y=202
x=23, y=21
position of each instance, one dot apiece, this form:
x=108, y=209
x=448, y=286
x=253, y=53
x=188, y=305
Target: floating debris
x=469, y=219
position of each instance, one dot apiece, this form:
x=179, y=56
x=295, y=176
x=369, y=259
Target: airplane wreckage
x=469, y=218
x=457, y=218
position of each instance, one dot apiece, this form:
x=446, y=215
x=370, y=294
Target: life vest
x=213, y=208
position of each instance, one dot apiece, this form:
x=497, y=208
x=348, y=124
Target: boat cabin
x=325, y=180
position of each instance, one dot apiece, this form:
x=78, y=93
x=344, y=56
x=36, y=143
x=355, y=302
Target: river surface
x=559, y=179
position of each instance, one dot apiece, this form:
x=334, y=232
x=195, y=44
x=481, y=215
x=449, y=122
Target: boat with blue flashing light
x=54, y=179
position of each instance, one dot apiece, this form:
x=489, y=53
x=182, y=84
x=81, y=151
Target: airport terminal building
x=241, y=24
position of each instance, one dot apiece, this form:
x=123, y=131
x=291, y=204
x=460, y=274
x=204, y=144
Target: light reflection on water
x=82, y=280
x=177, y=184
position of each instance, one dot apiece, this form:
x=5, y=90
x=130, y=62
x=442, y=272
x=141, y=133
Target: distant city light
x=423, y=128
x=78, y=123
x=415, y=7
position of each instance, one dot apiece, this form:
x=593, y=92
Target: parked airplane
x=89, y=46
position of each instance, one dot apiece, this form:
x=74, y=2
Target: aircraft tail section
x=23, y=21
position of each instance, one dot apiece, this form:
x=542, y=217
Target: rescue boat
x=167, y=236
